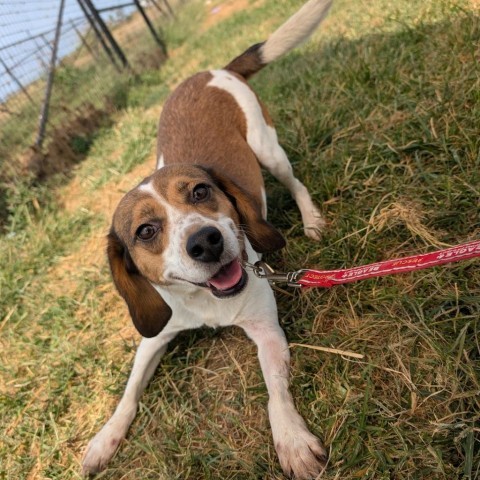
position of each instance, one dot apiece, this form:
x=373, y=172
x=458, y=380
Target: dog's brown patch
x=248, y=63
x=208, y=121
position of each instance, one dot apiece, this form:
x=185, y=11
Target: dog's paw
x=301, y=455
x=314, y=231
x=313, y=224
x=100, y=451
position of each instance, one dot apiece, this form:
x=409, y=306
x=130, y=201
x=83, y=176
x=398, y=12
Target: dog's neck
x=197, y=306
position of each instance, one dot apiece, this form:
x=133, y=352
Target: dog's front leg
x=103, y=446
x=300, y=453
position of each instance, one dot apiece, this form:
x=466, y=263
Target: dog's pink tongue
x=227, y=277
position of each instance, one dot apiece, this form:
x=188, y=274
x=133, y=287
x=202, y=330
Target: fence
x=75, y=49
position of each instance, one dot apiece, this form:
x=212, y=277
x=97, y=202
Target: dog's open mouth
x=230, y=280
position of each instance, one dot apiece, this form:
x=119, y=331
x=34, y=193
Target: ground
x=379, y=114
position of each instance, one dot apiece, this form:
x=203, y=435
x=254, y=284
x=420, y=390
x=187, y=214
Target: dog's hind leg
x=262, y=139
x=272, y=157
x=103, y=446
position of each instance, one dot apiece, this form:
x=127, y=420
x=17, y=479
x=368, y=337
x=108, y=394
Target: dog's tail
x=293, y=32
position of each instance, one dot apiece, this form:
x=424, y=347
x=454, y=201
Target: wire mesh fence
x=63, y=61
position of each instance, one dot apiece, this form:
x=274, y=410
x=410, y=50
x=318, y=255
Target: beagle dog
x=179, y=241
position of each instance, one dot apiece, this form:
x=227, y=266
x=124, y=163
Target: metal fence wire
x=69, y=49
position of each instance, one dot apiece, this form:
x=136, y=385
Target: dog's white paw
x=301, y=455
x=313, y=224
x=100, y=450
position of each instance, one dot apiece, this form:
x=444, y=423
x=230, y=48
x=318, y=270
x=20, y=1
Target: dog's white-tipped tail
x=295, y=30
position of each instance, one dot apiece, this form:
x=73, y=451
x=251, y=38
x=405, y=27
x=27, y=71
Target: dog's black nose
x=206, y=245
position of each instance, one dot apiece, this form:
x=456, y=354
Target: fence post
x=51, y=75
x=150, y=27
x=98, y=34
x=107, y=32
x=45, y=41
x=83, y=40
x=170, y=9
x=157, y=6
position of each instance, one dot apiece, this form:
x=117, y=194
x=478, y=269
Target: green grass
x=379, y=115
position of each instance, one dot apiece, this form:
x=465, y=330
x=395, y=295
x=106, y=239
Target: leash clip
x=264, y=270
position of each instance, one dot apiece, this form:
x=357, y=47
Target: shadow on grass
x=394, y=113
x=67, y=145
x=385, y=121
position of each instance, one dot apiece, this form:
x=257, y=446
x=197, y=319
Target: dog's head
x=183, y=225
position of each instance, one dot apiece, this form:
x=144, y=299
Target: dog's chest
x=200, y=308
x=197, y=307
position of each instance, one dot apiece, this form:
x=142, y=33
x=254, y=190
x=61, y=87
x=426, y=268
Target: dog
x=179, y=241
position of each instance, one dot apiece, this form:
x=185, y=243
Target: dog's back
x=214, y=118
x=206, y=126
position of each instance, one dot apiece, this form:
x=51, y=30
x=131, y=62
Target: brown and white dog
x=180, y=239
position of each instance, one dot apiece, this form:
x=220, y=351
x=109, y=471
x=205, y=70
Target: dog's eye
x=146, y=231
x=200, y=193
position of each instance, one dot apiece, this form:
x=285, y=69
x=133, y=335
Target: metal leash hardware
x=264, y=270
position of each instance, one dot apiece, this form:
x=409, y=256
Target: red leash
x=328, y=278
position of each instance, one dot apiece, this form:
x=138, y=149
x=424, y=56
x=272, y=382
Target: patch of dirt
x=224, y=10
x=475, y=4
x=68, y=143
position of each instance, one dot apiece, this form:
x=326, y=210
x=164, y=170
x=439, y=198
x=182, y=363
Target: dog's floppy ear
x=263, y=236
x=147, y=308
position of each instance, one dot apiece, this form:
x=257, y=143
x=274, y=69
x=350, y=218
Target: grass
x=379, y=114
